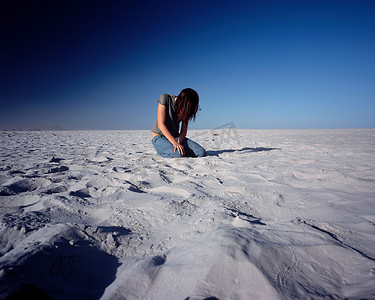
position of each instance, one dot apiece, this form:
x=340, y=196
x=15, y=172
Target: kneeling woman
x=172, y=110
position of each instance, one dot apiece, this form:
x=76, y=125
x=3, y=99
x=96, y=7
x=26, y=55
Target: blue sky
x=259, y=64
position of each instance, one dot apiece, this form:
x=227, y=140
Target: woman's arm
x=183, y=132
x=162, y=115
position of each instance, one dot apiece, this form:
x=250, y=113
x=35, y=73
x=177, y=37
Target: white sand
x=278, y=214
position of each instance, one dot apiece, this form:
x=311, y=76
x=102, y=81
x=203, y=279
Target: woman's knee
x=196, y=149
x=200, y=152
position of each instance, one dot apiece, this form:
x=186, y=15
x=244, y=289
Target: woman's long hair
x=187, y=105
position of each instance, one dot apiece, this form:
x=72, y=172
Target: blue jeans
x=165, y=148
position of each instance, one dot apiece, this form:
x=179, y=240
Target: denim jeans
x=165, y=148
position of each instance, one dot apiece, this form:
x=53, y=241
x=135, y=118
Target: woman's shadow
x=245, y=149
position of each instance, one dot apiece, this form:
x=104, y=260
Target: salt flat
x=269, y=214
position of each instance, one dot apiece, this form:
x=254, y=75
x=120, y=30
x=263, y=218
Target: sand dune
x=269, y=214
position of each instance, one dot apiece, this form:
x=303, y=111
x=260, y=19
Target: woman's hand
x=179, y=148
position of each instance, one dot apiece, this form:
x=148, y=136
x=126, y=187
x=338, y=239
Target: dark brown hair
x=187, y=105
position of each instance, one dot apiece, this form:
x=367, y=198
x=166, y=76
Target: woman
x=172, y=110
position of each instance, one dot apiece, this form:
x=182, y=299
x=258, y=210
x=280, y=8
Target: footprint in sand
x=236, y=190
x=58, y=169
x=56, y=190
x=30, y=221
x=56, y=160
x=82, y=193
x=121, y=169
x=23, y=186
x=99, y=159
x=98, y=182
x=170, y=190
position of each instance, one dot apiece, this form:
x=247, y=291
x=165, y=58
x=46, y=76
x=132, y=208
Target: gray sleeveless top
x=171, y=118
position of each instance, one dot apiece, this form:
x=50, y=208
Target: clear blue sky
x=260, y=64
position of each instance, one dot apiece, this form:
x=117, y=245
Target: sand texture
x=268, y=214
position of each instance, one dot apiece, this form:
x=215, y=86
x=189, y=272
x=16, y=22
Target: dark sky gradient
x=260, y=64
